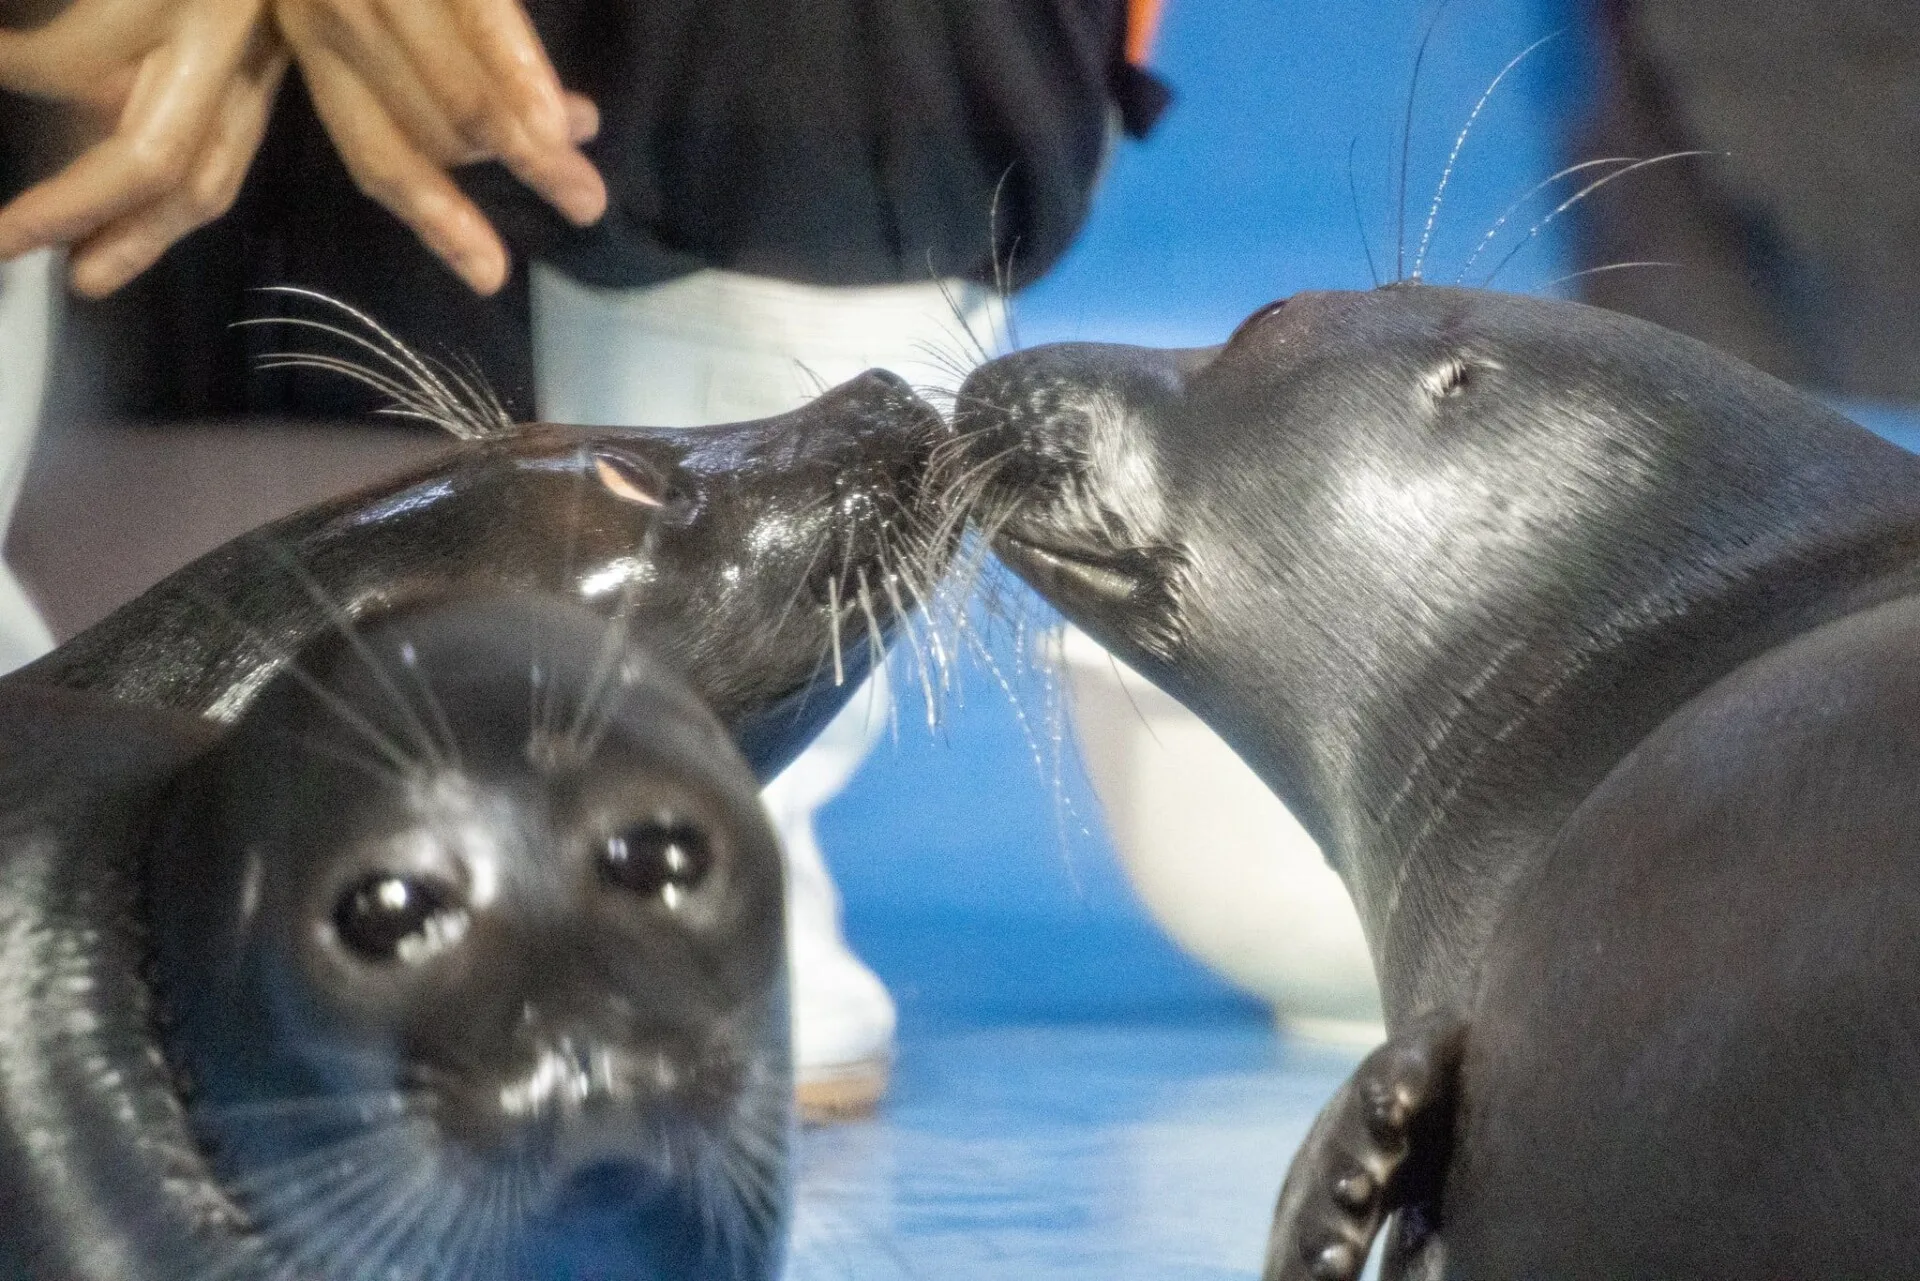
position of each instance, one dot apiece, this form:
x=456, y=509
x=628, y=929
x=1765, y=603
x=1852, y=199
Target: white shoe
x=843, y=1018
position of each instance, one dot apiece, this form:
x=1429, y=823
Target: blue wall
x=978, y=888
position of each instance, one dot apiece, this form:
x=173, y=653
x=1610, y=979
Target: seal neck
x=1434, y=753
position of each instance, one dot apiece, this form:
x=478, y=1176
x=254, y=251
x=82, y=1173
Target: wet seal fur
x=455, y=973
x=766, y=560
x=1586, y=653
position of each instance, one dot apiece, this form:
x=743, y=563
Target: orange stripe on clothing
x=1143, y=21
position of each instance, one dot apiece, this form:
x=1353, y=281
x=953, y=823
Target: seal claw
x=1371, y=1151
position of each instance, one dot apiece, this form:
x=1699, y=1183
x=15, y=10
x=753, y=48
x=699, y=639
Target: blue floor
x=1075, y=1097
x=1064, y=1153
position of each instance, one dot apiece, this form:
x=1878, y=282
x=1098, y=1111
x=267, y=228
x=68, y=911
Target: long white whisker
x=1576, y=198
x=1446, y=174
x=1538, y=187
x=1596, y=271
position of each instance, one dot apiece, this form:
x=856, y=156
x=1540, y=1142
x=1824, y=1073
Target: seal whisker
x=324, y=1164
x=343, y=623
x=600, y=686
x=284, y=661
x=944, y=284
x=385, y=1234
x=354, y=1184
x=888, y=580
x=1406, y=144
x=1027, y=730
x=408, y=400
x=1595, y=271
x=375, y=768
x=491, y=1224
x=1577, y=197
x=436, y=710
x=1538, y=187
x=359, y=1103
x=879, y=646
x=474, y=393
x=351, y=718
x=833, y=632
x=392, y=348
x=1446, y=173
x=483, y=1242
x=436, y=1231
x=605, y=694
x=403, y=403
x=813, y=376
x=460, y=408
x=1008, y=339
x=1359, y=222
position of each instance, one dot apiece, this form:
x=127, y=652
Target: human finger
x=583, y=118
x=355, y=34
x=492, y=77
x=522, y=78
x=123, y=249
x=388, y=168
x=169, y=113
x=68, y=57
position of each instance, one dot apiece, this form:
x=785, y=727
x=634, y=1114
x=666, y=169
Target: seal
x=423, y=967
x=1584, y=651
x=767, y=560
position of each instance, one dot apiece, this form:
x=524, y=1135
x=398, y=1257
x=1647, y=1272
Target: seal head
x=762, y=559
x=468, y=942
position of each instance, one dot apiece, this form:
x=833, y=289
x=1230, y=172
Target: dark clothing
x=1797, y=236
x=836, y=142
x=833, y=141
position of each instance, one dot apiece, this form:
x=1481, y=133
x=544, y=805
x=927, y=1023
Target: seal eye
x=394, y=918
x=663, y=858
x=629, y=479
x=1251, y=321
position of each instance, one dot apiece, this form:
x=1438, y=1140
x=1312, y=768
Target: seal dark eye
x=1251, y=321
x=397, y=918
x=662, y=858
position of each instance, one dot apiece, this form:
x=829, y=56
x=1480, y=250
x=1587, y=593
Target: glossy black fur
x=728, y=564
x=99, y=1175
x=423, y=747
x=1449, y=568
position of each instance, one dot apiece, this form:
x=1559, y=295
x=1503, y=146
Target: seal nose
x=1030, y=415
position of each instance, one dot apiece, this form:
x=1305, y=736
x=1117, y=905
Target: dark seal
x=1586, y=653
x=459, y=954
x=765, y=560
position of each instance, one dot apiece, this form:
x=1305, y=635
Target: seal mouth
x=1135, y=589
x=1080, y=572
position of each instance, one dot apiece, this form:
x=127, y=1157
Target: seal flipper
x=1371, y=1151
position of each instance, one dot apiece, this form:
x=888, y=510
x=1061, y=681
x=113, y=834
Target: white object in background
x=717, y=347
x=1218, y=861
x=28, y=298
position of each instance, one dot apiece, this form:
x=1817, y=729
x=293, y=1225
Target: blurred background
x=1075, y=1095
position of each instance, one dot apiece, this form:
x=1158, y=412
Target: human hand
x=188, y=85
x=410, y=88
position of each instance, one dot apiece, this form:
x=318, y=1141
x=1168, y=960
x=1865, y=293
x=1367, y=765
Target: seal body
x=462, y=950
x=1443, y=565
x=762, y=559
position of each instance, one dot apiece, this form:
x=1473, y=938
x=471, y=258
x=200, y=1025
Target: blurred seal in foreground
x=460, y=953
